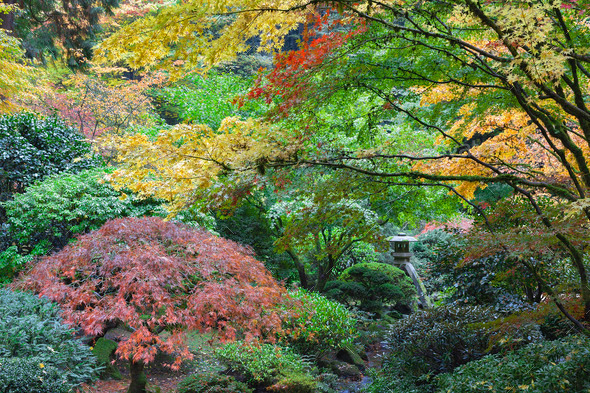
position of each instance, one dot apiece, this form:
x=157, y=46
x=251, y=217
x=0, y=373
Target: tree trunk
x=300, y=269
x=7, y=20
x=138, y=378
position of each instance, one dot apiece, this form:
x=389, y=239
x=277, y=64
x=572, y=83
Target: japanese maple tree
x=153, y=276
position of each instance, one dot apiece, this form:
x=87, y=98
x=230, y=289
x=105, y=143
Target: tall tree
x=57, y=27
x=503, y=84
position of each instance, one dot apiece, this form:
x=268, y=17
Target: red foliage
x=289, y=81
x=153, y=275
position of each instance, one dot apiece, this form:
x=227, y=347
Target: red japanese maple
x=151, y=275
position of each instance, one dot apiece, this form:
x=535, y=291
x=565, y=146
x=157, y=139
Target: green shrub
x=212, y=383
x=59, y=207
x=30, y=375
x=372, y=286
x=439, y=340
x=545, y=367
x=295, y=383
x=31, y=327
x=262, y=364
x=32, y=147
x=11, y=262
x=320, y=323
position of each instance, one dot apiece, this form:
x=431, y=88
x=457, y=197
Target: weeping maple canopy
x=153, y=275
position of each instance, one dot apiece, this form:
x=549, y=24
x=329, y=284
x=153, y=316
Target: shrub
x=11, y=262
x=546, y=367
x=262, y=364
x=31, y=327
x=295, y=383
x=320, y=324
x=373, y=285
x=33, y=147
x=212, y=383
x=54, y=210
x=439, y=340
x=30, y=375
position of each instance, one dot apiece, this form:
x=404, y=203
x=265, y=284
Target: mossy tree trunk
x=138, y=378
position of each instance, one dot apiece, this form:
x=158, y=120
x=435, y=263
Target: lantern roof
x=402, y=237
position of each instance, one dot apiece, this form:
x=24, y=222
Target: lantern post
x=400, y=246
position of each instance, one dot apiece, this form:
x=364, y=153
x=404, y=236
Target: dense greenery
x=547, y=367
x=307, y=134
x=320, y=323
x=34, y=337
x=54, y=210
x=373, y=285
x=33, y=147
x=267, y=365
x=30, y=375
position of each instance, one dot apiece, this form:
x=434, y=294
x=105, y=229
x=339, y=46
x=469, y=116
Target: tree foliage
x=94, y=103
x=65, y=28
x=151, y=276
x=503, y=85
x=15, y=72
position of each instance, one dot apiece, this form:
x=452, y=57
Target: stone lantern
x=400, y=245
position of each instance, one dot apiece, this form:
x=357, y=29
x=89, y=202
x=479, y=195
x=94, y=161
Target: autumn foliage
x=150, y=276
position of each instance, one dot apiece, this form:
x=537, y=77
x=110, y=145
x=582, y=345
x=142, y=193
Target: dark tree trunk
x=8, y=19
x=138, y=378
x=300, y=269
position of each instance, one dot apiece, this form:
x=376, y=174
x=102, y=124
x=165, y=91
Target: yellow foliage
x=15, y=72
x=186, y=31
x=184, y=161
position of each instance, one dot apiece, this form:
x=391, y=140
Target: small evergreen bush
x=546, y=367
x=372, y=286
x=56, y=209
x=31, y=327
x=212, y=383
x=31, y=375
x=439, y=340
x=32, y=147
x=320, y=323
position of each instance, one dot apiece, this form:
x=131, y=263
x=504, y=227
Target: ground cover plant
x=38, y=351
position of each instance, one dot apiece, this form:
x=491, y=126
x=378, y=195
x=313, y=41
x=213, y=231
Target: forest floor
x=163, y=380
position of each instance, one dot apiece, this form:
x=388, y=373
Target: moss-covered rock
x=349, y=355
x=104, y=350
